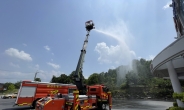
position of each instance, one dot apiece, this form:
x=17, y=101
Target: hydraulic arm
x=78, y=73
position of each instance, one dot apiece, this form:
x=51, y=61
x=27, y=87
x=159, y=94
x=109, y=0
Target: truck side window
x=105, y=89
x=27, y=91
x=92, y=89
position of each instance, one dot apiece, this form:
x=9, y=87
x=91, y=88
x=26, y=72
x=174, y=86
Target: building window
x=182, y=10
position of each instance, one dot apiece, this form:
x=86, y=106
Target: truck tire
x=102, y=106
x=9, y=97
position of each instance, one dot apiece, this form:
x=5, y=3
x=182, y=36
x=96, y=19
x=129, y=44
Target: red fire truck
x=85, y=97
x=31, y=91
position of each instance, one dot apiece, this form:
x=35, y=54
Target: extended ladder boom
x=78, y=73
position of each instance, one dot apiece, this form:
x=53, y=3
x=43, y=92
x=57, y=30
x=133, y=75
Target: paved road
x=7, y=104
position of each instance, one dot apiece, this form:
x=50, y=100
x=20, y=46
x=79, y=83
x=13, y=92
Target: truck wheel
x=9, y=97
x=102, y=106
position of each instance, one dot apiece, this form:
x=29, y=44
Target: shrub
x=175, y=104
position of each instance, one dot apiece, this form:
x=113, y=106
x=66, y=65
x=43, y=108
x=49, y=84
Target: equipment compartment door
x=26, y=96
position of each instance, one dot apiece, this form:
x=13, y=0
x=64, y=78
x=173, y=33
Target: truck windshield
x=70, y=91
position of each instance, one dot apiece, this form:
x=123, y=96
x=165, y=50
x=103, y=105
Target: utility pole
x=35, y=75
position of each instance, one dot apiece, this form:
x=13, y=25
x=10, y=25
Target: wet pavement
x=143, y=104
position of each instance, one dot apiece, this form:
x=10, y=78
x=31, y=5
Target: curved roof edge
x=172, y=51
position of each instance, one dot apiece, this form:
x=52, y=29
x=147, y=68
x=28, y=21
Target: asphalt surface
x=7, y=104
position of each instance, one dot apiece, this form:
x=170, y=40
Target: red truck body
x=31, y=91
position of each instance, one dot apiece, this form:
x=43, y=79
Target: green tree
x=93, y=79
x=124, y=86
x=101, y=77
x=160, y=87
x=142, y=69
x=132, y=78
x=11, y=87
x=71, y=77
x=6, y=85
x=17, y=84
x=38, y=79
x=54, y=79
x=63, y=78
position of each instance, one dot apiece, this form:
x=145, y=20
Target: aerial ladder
x=103, y=96
x=78, y=79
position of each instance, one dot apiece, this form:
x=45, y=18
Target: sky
x=47, y=36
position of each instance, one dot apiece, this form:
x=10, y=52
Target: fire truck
x=32, y=91
x=85, y=97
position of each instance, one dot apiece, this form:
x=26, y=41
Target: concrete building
x=169, y=63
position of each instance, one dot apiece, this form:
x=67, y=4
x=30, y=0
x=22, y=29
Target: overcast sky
x=47, y=35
